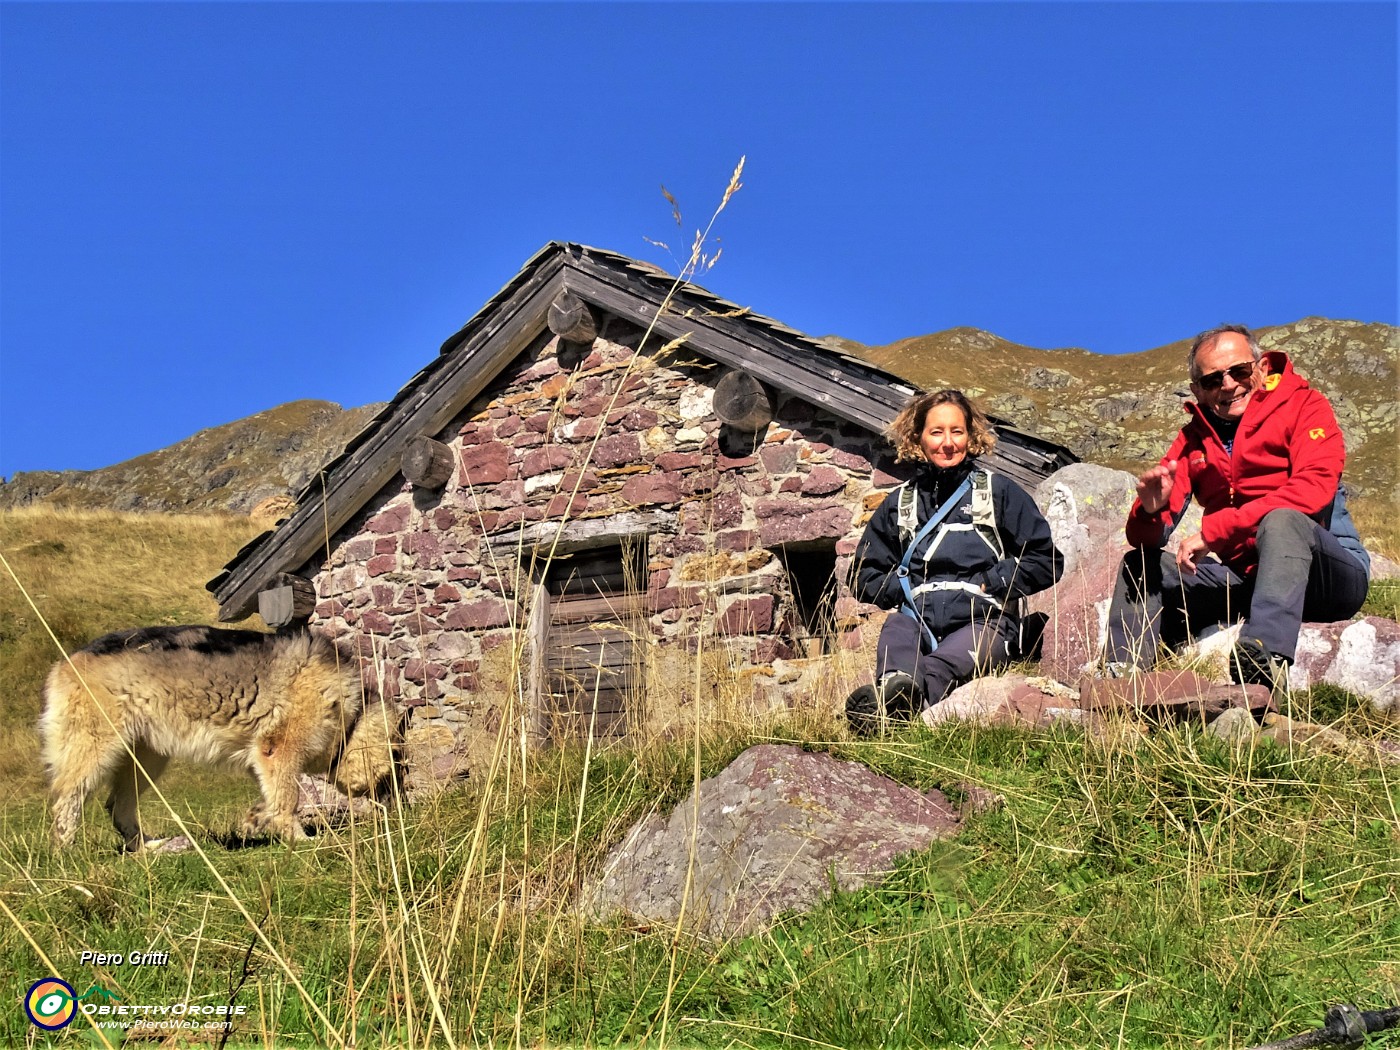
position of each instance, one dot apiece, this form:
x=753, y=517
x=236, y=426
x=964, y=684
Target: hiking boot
x=1252, y=664
x=900, y=695
x=866, y=712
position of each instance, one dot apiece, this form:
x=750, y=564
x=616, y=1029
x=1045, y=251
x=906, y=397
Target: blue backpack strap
x=909, y=608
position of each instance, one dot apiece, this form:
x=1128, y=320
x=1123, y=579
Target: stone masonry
x=601, y=441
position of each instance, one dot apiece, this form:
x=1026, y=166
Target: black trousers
x=978, y=648
x=1303, y=574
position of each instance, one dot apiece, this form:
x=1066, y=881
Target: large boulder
x=1362, y=656
x=768, y=834
x=1008, y=699
x=1086, y=506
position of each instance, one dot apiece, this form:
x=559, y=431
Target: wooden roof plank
x=450, y=387
x=506, y=324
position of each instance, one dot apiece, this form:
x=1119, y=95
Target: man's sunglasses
x=1240, y=373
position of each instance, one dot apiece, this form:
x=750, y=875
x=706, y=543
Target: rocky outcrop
x=1362, y=656
x=1086, y=506
x=769, y=834
x=1008, y=699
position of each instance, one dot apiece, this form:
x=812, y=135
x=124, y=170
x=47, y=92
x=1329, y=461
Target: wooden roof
x=515, y=317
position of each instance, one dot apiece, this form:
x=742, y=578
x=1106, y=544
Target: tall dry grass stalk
x=419, y=921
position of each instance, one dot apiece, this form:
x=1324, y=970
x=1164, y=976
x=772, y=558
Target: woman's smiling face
x=944, y=438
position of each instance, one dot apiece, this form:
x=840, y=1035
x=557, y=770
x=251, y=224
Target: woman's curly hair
x=908, y=426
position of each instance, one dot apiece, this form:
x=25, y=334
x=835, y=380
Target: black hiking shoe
x=901, y=695
x=1252, y=664
x=865, y=712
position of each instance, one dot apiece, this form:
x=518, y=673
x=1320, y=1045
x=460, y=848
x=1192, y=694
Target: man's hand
x=1154, y=488
x=1190, y=551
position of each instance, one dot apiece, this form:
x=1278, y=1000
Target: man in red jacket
x=1263, y=456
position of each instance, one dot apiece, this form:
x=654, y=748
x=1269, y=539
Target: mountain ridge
x=1119, y=410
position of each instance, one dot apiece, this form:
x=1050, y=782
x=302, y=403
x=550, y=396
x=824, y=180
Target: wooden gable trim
x=518, y=315
x=427, y=404
x=786, y=360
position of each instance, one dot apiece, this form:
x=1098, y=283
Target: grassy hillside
x=1131, y=891
x=88, y=573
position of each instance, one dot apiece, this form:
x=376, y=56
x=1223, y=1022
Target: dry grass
x=87, y=573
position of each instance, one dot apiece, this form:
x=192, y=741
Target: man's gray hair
x=1208, y=337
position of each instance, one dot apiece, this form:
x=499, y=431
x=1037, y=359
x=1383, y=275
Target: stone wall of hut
x=589, y=445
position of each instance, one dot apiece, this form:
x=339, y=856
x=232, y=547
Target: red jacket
x=1288, y=452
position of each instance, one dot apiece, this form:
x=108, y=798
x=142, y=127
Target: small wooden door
x=592, y=659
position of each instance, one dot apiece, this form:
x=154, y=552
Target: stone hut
x=602, y=474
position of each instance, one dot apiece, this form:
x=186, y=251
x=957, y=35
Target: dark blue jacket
x=1030, y=563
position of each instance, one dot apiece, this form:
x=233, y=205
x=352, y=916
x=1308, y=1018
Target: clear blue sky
x=207, y=210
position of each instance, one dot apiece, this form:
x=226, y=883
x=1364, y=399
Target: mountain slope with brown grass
x=225, y=468
x=1122, y=410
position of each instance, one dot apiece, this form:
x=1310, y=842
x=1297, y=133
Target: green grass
x=1165, y=891
x=1383, y=599
x=1134, y=891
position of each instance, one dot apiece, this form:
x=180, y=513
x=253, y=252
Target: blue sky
x=207, y=210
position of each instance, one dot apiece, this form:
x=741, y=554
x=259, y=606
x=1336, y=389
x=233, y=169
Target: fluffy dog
x=278, y=705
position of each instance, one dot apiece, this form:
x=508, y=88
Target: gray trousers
x=1303, y=574
x=978, y=648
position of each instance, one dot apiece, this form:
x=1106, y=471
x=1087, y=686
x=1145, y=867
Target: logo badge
x=1317, y=433
x=50, y=1004
x=1271, y=382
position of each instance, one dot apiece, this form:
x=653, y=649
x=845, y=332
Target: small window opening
x=811, y=572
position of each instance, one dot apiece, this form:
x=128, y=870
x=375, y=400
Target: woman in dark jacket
x=952, y=551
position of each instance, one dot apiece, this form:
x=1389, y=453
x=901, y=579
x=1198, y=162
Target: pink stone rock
x=391, y=520
x=617, y=450
x=680, y=461
x=372, y=621
x=661, y=599
x=739, y=539
x=789, y=521
x=563, y=504
x=1172, y=696
x=1362, y=657
x=487, y=464
x=543, y=460
x=641, y=419
x=360, y=549
x=652, y=488
x=778, y=459
x=423, y=546
x=487, y=612
x=1007, y=699
x=701, y=482
x=850, y=460
x=747, y=615
x=775, y=831
x=380, y=564
x=823, y=481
